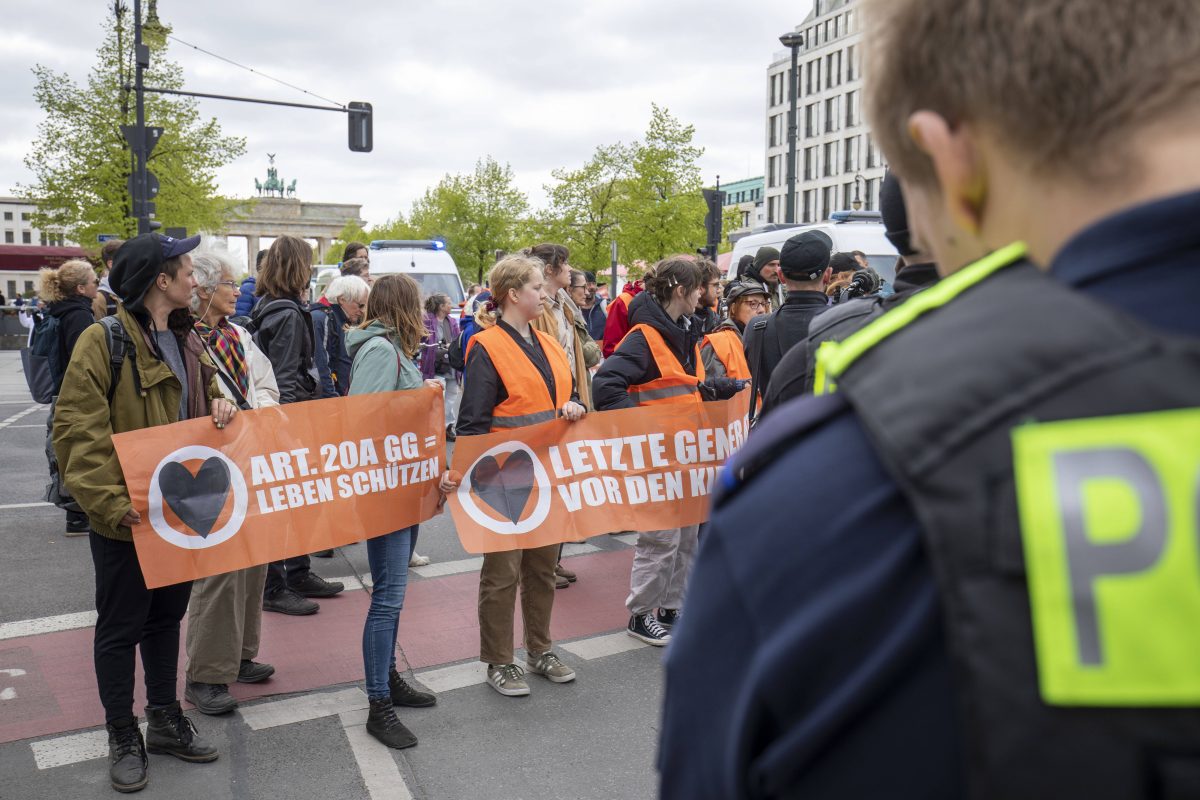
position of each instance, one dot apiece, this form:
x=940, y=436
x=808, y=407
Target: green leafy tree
x=81, y=162
x=477, y=214
x=661, y=209
x=584, y=203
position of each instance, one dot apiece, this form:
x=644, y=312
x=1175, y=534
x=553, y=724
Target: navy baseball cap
x=139, y=261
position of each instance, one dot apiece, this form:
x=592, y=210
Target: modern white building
x=747, y=196
x=15, y=223
x=837, y=161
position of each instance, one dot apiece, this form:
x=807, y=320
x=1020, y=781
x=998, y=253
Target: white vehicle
x=849, y=230
x=426, y=260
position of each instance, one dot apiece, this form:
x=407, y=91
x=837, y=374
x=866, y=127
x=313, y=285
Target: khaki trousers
x=661, y=563
x=224, y=624
x=533, y=570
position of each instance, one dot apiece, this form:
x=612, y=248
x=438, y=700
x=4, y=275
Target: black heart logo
x=198, y=499
x=507, y=488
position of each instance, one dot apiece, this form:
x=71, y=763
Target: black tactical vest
x=1089, y=687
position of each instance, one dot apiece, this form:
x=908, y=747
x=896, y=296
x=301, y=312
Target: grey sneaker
x=548, y=666
x=507, y=679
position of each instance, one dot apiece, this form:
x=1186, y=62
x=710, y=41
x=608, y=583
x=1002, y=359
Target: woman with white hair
x=341, y=307
x=225, y=612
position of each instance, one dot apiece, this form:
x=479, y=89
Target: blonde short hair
x=59, y=283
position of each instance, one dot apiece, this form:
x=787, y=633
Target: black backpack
x=42, y=360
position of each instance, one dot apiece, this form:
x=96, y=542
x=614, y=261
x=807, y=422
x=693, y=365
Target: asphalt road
x=595, y=738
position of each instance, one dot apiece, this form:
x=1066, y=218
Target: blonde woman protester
x=69, y=292
x=383, y=348
x=225, y=611
x=516, y=375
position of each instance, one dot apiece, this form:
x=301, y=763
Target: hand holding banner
x=281, y=481
x=648, y=468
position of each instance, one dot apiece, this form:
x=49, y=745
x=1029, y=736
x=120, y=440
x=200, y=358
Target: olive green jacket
x=84, y=423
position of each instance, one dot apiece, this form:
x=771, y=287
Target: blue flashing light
x=438, y=244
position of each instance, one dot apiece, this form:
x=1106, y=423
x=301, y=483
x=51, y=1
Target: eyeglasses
x=233, y=284
x=578, y=285
x=756, y=303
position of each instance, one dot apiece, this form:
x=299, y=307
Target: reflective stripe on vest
x=834, y=358
x=528, y=401
x=1111, y=533
x=675, y=385
x=727, y=345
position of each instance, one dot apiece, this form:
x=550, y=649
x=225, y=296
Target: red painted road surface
x=56, y=688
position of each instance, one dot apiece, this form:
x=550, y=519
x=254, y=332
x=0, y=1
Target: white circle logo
x=197, y=500
x=506, y=489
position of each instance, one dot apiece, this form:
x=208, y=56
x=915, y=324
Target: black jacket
x=632, y=363
x=792, y=376
x=333, y=362
x=483, y=388
x=769, y=336
x=283, y=329
x=74, y=317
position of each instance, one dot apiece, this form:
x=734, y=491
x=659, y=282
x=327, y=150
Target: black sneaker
x=126, y=756
x=383, y=724
x=288, y=602
x=313, y=585
x=646, y=627
x=253, y=672
x=667, y=617
x=451, y=435
x=405, y=694
x=210, y=698
x=173, y=734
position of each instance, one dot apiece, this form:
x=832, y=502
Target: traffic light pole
x=143, y=186
x=142, y=60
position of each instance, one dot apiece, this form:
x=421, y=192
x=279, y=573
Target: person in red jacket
x=618, y=317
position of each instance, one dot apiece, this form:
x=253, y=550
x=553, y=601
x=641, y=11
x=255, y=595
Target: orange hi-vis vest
x=625, y=298
x=727, y=346
x=529, y=401
x=674, y=385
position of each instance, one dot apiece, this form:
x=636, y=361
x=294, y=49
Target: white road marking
x=599, y=646
x=19, y=415
x=21, y=403
x=72, y=748
x=35, y=425
x=303, y=708
x=458, y=676
x=379, y=771
x=35, y=627
x=26, y=505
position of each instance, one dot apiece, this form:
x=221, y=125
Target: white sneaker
x=418, y=560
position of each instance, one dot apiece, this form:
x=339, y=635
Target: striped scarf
x=226, y=345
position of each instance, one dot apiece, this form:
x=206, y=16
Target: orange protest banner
x=644, y=469
x=281, y=482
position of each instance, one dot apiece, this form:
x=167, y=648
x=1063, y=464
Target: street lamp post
x=794, y=41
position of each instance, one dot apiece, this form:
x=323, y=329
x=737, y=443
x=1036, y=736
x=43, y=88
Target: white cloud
x=536, y=84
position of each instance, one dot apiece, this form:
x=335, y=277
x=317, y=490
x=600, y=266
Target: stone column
x=252, y=249
x=322, y=248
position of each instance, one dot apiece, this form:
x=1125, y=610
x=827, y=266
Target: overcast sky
x=536, y=84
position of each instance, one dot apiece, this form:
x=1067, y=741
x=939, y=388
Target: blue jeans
x=388, y=556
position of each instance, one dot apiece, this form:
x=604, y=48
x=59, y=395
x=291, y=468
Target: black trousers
x=284, y=574
x=131, y=616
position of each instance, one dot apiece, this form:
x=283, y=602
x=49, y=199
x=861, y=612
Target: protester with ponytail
x=383, y=348
x=658, y=363
x=516, y=376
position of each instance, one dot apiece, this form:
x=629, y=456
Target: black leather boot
x=384, y=726
x=171, y=733
x=405, y=694
x=126, y=756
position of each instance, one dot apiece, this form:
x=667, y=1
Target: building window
x=772, y=169
x=8, y=217
x=832, y=113
x=852, y=109
x=853, y=70
x=8, y=237
x=771, y=208
x=24, y=216
x=850, y=20
x=26, y=237
x=870, y=152
x=829, y=30
x=869, y=189
x=850, y=150
x=827, y=201
x=810, y=163
x=28, y=287
x=830, y=159
x=848, y=195
x=12, y=291
x=811, y=119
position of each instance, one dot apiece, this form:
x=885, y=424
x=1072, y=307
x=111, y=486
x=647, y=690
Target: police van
x=425, y=260
x=849, y=230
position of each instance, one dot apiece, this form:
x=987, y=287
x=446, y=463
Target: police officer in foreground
x=994, y=587
x=804, y=268
x=794, y=375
